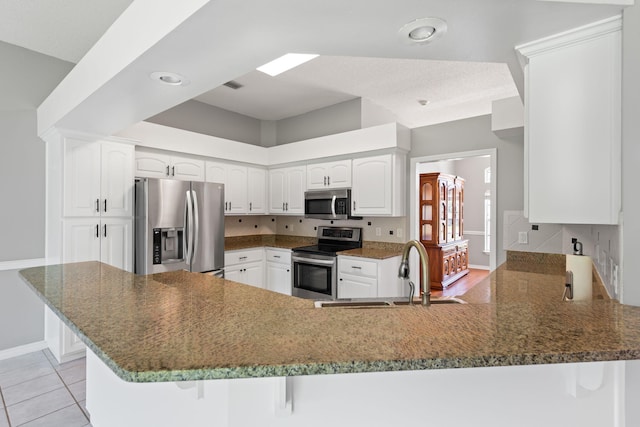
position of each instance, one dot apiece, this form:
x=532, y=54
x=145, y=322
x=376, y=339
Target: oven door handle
x=313, y=261
x=333, y=205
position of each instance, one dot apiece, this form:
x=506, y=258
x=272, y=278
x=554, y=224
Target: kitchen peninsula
x=192, y=337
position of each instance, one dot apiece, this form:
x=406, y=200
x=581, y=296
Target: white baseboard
x=479, y=267
x=22, y=349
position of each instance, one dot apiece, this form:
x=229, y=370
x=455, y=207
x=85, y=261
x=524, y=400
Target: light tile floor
x=36, y=390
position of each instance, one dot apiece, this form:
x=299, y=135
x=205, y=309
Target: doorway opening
x=480, y=213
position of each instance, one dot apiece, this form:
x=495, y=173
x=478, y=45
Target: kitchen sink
x=445, y=300
x=383, y=303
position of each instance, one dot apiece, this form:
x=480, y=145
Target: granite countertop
x=189, y=326
x=374, y=250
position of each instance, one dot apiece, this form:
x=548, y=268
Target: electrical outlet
x=378, y=231
x=523, y=237
x=399, y=233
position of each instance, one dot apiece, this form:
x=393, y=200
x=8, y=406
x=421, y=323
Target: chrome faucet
x=425, y=281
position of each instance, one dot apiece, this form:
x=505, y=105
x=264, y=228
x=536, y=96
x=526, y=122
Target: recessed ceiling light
x=169, y=78
x=423, y=102
x=284, y=63
x=422, y=31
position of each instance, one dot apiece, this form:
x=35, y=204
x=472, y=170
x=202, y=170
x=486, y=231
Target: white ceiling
x=223, y=40
x=453, y=89
x=65, y=29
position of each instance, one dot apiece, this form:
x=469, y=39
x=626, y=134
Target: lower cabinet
x=278, y=271
x=109, y=240
x=369, y=278
x=245, y=266
x=448, y=263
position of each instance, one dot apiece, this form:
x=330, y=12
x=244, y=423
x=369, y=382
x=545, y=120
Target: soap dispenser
x=577, y=247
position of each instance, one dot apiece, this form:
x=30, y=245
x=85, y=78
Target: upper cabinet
x=151, y=164
x=573, y=125
x=244, y=187
x=98, y=178
x=286, y=190
x=329, y=175
x=379, y=185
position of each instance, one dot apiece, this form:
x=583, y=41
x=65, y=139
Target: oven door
x=314, y=276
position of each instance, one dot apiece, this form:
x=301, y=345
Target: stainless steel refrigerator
x=179, y=225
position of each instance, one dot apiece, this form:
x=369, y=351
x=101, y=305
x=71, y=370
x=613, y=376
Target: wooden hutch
x=442, y=226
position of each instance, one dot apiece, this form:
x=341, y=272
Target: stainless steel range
x=314, y=269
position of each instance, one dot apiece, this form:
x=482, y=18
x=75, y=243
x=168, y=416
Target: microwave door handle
x=333, y=205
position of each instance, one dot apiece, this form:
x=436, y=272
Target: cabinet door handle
x=354, y=205
x=250, y=206
x=288, y=270
x=97, y=230
x=325, y=180
x=276, y=256
x=287, y=205
x=356, y=267
x=105, y=205
x=173, y=171
x=283, y=206
x=105, y=230
x=328, y=180
x=243, y=257
x=167, y=170
x=229, y=205
x=97, y=205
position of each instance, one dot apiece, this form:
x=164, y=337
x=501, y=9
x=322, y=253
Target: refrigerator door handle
x=188, y=240
x=196, y=227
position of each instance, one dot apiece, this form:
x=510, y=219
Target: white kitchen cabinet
x=369, y=278
x=152, y=164
x=573, y=126
x=244, y=187
x=256, y=190
x=379, y=185
x=286, y=190
x=329, y=175
x=98, y=178
x=109, y=240
x=234, y=178
x=278, y=270
x=245, y=266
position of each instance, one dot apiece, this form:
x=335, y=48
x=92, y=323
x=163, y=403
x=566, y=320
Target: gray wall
x=337, y=118
x=630, y=199
x=203, y=118
x=475, y=134
x=472, y=170
x=22, y=177
x=26, y=78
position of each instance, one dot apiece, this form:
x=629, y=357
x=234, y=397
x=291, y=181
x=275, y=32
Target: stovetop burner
x=334, y=239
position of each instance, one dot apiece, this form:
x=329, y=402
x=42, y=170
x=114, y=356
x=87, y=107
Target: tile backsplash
x=392, y=230
x=600, y=242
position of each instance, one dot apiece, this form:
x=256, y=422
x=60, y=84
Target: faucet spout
x=403, y=271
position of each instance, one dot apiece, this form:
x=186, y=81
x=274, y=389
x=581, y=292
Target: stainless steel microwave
x=328, y=204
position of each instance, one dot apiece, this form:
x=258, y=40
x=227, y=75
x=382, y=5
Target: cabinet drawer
x=279, y=256
x=357, y=267
x=242, y=256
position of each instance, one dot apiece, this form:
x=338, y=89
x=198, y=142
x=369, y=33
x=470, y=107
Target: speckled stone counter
x=188, y=326
x=376, y=250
